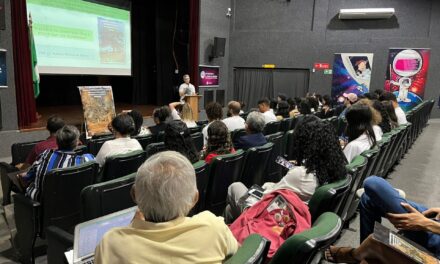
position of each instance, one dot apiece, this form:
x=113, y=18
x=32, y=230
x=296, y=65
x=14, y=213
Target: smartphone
x=256, y=193
x=285, y=163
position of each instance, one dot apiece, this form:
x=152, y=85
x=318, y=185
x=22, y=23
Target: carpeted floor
x=417, y=175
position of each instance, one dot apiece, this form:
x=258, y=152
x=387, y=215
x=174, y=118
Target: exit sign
x=321, y=65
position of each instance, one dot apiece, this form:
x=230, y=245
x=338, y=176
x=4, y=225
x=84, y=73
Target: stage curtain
x=194, y=29
x=26, y=108
x=250, y=85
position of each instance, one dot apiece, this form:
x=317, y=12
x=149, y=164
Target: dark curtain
x=22, y=64
x=194, y=29
x=143, y=51
x=250, y=85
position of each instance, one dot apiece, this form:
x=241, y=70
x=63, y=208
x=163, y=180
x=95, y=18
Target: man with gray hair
x=254, y=126
x=165, y=191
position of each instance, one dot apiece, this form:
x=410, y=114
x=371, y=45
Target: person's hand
x=413, y=220
x=432, y=213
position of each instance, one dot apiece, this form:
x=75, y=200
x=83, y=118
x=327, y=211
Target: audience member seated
x=326, y=108
x=314, y=104
x=359, y=131
x=139, y=129
x=214, y=112
x=264, y=107
x=54, y=123
x=122, y=127
x=178, y=138
x=165, y=191
x=378, y=93
x=293, y=110
x=254, y=128
x=67, y=139
x=219, y=141
x=349, y=100
x=376, y=118
x=320, y=160
x=385, y=125
x=389, y=108
x=401, y=117
x=415, y=221
x=186, y=114
x=282, y=110
x=160, y=116
x=234, y=121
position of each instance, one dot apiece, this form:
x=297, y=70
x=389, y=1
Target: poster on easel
x=407, y=71
x=351, y=73
x=3, y=72
x=98, y=108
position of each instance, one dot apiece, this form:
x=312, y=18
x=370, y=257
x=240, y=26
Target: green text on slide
x=61, y=32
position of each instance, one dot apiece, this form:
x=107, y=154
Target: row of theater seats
x=331, y=206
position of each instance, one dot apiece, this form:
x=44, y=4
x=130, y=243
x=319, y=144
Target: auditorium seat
x=57, y=208
x=272, y=127
x=96, y=200
x=197, y=138
x=289, y=145
x=307, y=246
x=144, y=140
x=256, y=161
x=202, y=179
x=119, y=165
x=154, y=148
x=273, y=169
x=196, y=129
x=95, y=144
x=236, y=134
x=253, y=250
x=286, y=124
x=223, y=171
x=20, y=151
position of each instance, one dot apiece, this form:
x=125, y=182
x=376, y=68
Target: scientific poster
x=351, y=73
x=98, y=107
x=3, y=73
x=407, y=71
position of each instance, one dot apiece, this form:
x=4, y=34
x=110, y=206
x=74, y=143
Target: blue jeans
x=381, y=198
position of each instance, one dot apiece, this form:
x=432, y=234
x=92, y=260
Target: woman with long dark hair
x=219, y=141
x=359, y=131
x=178, y=138
x=389, y=108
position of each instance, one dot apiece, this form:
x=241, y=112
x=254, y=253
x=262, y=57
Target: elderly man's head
x=165, y=187
x=255, y=122
x=67, y=137
x=234, y=108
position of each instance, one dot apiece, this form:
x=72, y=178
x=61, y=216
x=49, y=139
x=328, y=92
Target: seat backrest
x=81, y=150
x=289, y=145
x=20, y=151
x=144, y=140
x=198, y=140
x=256, y=161
x=196, y=129
x=106, y=197
x=328, y=197
x=202, y=123
x=61, y=195
x=236, y=134
x=154, y=148
x=371, y=155
x=223, y=170
x=95, y=144
x=202, y=179
x=305, y=246
x=273, y=170
x=286, y=123
x=296, y=120
x=119, y=165
x=272, y=127
x=253, y=251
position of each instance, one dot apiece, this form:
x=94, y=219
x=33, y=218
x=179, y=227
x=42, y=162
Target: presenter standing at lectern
x=186, y=88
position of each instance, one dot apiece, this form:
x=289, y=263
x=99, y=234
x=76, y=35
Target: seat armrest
x=253, y=250
x=25, y=201
x=57, y=234
x=58, y=242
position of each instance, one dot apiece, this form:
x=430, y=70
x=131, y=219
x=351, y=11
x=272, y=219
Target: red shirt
x=49, y=143
x=212, y=155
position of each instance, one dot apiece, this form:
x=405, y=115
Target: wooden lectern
x=193, y=101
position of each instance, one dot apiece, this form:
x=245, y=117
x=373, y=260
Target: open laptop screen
x=89, y=234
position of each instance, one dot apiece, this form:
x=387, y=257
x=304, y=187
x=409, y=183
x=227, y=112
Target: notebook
x=89, y=234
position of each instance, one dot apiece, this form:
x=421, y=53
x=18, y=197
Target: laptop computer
x=89, y=234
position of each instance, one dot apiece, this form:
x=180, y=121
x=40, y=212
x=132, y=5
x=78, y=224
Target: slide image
x=111, y=41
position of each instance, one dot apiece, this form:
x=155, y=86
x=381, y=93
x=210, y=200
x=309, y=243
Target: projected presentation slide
x=78, y=37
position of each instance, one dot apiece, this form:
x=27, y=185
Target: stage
x=73, y=114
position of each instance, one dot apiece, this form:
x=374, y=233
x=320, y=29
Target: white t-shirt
x=357, y=146
x=401, y=117
x=298, y=180
x=176, y=116
x=115, y=147
x=205, y=134
x=269, y=117
x=377, y=132
x=186, y=89
x=234, y=122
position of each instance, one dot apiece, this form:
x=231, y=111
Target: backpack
x=279, y=215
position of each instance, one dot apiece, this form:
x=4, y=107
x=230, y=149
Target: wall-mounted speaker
x=2, y=15
x=218, y=50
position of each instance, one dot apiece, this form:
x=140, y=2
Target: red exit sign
x=321, y=65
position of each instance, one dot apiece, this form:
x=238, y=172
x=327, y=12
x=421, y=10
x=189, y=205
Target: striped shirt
x=47, y=161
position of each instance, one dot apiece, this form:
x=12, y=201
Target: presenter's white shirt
x=401, y=117
x=176, y=116
x=269, y=116
x=377, y=132
x=357, y=146
x=234, y=122
x=115, y=147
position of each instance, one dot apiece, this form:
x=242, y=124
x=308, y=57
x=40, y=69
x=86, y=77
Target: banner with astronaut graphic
x=351, y=73
x=407, y=71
